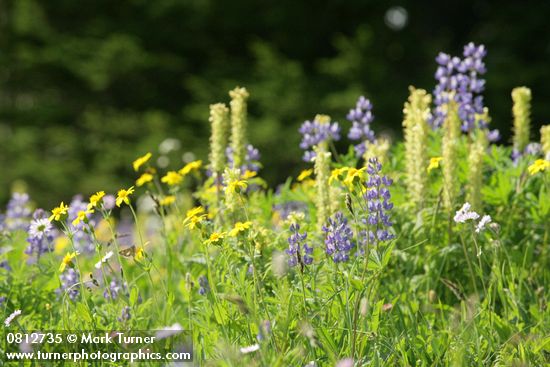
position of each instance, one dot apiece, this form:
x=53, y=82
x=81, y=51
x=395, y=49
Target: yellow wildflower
x=67, y=261
x=239, y=227
x=249, y=174
x=167, y=200
x=214, y=238
x=354, y=173
x=123, y=196
x=538, y=166
x=337, y=174
x=194, y=212
x=172, y=178
x=304, y=174
x=189, y=167
x=237, y=186
x=96, y=199
x=140, y=254
x=143, y=179
x=59, y=212
x=434, y=163
x=141, y=161
x=82, y=216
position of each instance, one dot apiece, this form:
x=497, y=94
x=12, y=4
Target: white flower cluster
x=465, y=214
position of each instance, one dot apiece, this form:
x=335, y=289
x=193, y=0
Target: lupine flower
x=251, y=159
x=219, y=120
x=285, y=209
x=41, y=234
x=464, y=214
x=265, y=330
x=114, y=289
x=172, y=178
x=338, y=238
x=204, y=287
x=361, y=117
x=125, y=314
x=143, y=179
x=69, y=281
x=522, y=118
x=539, y=166
x=141, y=161
x=123, y=196
x=18, y=212
x=5, y=265
x=109, y=202
x=458, y=81
x=379, y=206
x=11, y=317
x=238, y=104
x=486, y=219
x=317, y=131
x=298, y=250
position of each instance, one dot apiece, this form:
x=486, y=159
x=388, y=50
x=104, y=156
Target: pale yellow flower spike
x=141, y=161
x=123, y=196
x=434, y=163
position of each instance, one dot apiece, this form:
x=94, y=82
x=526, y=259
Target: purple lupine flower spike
x=315, y=132
x=361, y=117
x=298, y=250
x=338, y=238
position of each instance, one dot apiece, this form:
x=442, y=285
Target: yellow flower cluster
x=539, y=166
x=194, y=217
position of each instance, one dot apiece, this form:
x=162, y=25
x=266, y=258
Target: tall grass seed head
x=219, y=122
x=521, y=110
x=238, y=106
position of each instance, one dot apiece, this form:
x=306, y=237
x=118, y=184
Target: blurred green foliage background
x=86, y=86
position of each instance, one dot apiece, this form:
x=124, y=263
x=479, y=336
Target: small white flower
x=11, y=317
x=250, y=349
x=169, y=331
x=483, y=222
x=465, y=214
x=104, y=259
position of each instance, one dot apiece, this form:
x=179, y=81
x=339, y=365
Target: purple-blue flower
x=379, y=205
x=316, y=131
x=204, y=287
x=115, y=288
x=252, y=158
x=361, y=117
x=18, y=212
x=82, y=240
x=298, y=250
x=459, y=80
x=69, y=283
x=338, y=238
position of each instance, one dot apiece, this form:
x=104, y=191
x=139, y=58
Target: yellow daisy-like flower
x=538, y=166
x=172, y=178
x=59, y=212
x=141, y=161
x=82, y=216
x=214, y=238
x=143, y=179
x=123, y=196
x=354, y=173
x=194, y=212
x=193, y=222
x=140, y=254
x=189, y=167
x=167, y=200
x=337, y=174
x=304, y=174
x=237, y=186
x=249, y=174
x=96, y=199
x=434, y=163
x=67, y=261
x=239, y=227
